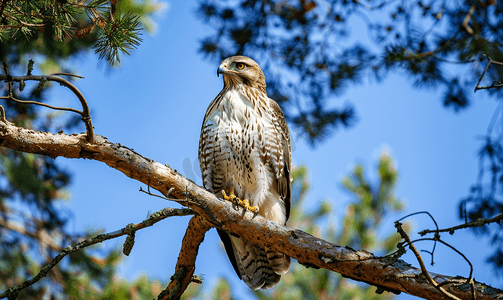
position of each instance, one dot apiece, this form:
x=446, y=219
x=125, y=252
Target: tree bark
x=186, y=263
x=385, y=273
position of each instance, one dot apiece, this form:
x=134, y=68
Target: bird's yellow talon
x=253, y=209
x=231, y=196
x=246, y=204
x=243, y=203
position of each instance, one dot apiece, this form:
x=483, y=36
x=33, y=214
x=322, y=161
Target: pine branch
x=391, y=275
x=118, y=33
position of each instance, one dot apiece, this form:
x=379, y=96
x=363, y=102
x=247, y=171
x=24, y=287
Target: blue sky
x=155, y=103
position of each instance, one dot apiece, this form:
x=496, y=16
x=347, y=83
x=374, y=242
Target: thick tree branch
x=391, y=275
x=186, y=263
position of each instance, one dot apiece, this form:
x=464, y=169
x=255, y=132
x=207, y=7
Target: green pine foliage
x=99, y=23
x=32, y=220
x=327, y=47
x=119, y=35
x=315, y=50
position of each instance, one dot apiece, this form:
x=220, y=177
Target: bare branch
x=10, y=97
x=437, y=236
x=496, y=84
x=154, y=218
x=425, y=272
x=468, y=18
x=86, y=116
x=186, y=263
x=477, y=223
x=67, y=74
x=390, y=275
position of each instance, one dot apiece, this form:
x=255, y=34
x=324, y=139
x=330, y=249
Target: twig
x=10, y=97
x=477, y=223
x=404, y=235
x=86, y=117
x=12, y=292
x=450, y=246
x=67, y=74
x=495, y=84
x=468, y=17
x=185, y=265
x=166, y=198
x=151, y=194
x=437, y=236
x=462, y=255
x=21, y=22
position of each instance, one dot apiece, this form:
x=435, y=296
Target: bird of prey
x=244, y=153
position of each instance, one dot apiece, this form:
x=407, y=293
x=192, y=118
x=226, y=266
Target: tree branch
x=86, y=116
x=404, y=235
x=12, y=292
x=388, y=274
x=186, y=263
x=478, y=223
x=495, y=84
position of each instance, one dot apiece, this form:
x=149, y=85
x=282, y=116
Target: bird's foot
x=246, y=204
x=231, y=196
x=243, y=203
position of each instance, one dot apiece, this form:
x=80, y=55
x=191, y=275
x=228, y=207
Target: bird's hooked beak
x=222, y=69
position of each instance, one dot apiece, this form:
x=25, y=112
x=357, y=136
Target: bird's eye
x=240, y=66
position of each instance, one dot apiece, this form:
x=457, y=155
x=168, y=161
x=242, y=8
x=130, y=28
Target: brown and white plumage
x=245, y=145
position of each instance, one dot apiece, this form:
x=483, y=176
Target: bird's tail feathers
x=258, y=266
x=279, y=262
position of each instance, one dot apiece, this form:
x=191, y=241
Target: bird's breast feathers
x=243, y=135
x=233, y=106
x=244, y=148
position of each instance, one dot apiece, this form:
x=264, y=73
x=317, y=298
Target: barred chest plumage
x=244, y=153
x=243, y=136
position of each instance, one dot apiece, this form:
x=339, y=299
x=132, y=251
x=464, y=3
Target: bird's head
x=242, y=70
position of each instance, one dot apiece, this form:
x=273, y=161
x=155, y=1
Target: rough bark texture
x=396, y=276
x=186, y=263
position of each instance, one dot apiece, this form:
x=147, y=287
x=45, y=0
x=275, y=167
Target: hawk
x=244, y=153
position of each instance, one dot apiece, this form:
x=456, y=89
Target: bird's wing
x=284, y=163
x=208, y=145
